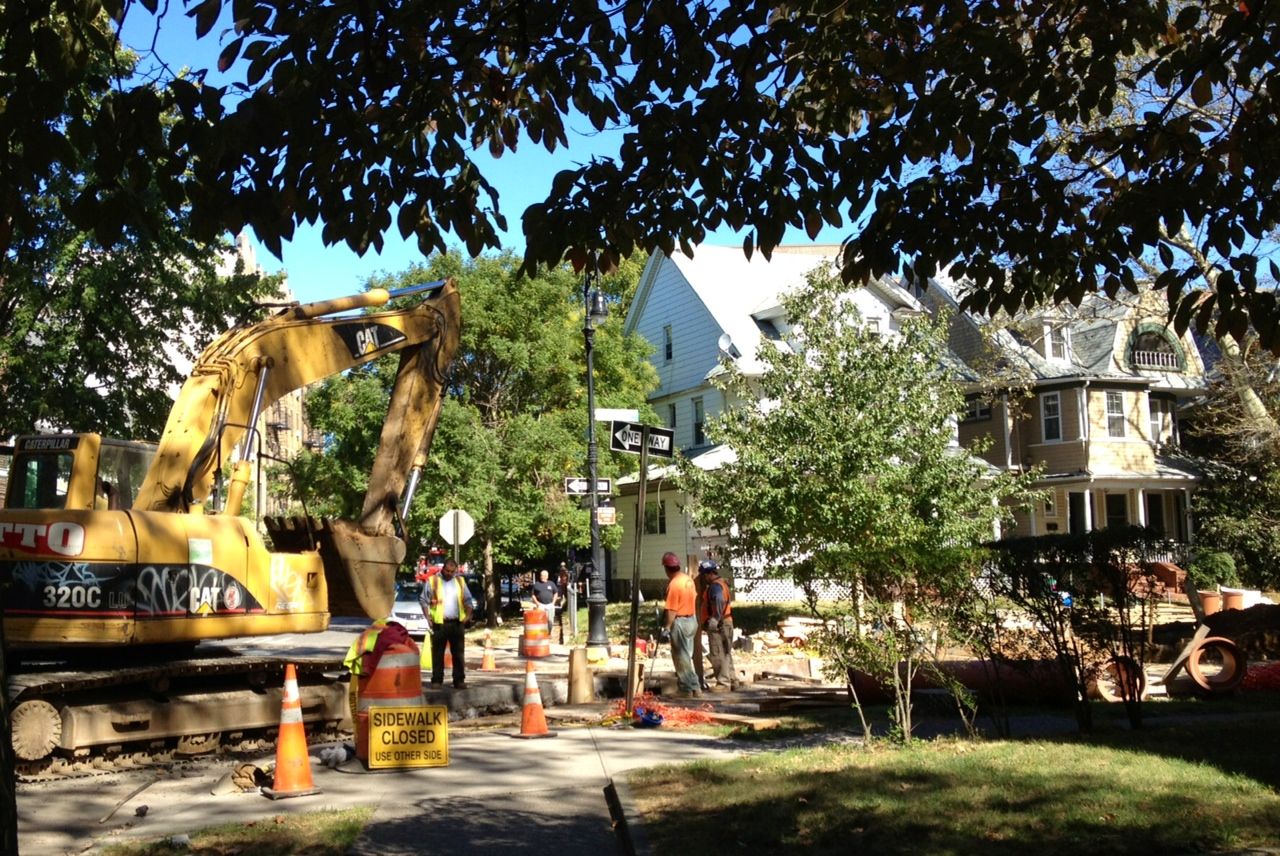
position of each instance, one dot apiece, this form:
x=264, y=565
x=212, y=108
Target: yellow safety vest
x=437, y=601
x=364, y=642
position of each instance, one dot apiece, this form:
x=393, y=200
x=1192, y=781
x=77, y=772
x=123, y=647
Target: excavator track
x=73, y=722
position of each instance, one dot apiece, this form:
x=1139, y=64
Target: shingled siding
x=1066, y=457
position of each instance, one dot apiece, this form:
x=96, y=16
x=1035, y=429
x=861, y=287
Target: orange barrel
x=536, y=641
x=396, y=682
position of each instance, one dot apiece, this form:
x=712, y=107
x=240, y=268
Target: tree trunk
x=1256, y=414
x=492, y=597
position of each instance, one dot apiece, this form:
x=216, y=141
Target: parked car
x=407, y=610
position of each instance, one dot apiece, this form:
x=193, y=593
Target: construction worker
x=680, y=624
x=716, y=618
x=448, y=605
x=354, y=661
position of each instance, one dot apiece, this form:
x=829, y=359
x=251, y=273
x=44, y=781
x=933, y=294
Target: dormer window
x=1057, y=343
x=1153, y=348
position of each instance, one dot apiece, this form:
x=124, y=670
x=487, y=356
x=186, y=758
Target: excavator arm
x=246, y=369
x=249, y=367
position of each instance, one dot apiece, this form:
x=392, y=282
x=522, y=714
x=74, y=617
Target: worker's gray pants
x=682, y=631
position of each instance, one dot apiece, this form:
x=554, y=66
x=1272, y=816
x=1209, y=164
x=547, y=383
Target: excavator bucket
x=361, y=557
x=359, y=568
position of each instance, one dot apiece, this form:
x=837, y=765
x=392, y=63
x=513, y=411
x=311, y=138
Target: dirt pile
x=1256, y=630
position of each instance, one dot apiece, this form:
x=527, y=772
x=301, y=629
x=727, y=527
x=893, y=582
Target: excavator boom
x=247, y=368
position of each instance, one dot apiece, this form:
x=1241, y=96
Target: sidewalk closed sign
x=408, y=737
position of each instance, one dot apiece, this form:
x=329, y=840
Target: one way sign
x=582, y=486
x=626, y=437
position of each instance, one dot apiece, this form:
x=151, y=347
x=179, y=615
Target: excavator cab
x=76, y=471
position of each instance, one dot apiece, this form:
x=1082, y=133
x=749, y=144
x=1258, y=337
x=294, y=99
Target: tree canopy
x=929, y=130
x=91, y=334
x=845, y=472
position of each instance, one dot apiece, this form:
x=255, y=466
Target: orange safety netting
x=1263, y=678
x=675, y=715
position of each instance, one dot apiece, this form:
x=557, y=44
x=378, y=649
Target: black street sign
x=625, y=437
x=582, y=486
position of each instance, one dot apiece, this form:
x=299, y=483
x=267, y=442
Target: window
x=1057, y=344
x=655, y=518
x=1117, y=510
x=977, y=408
x=699, y=436
x=667, y=347
x=671, y=415
x=40, y=481
x=1051, y=505
x=1153, y=349
x=1051, y=416
x=1115, y=414
x=873, y=324
x=1161, y=420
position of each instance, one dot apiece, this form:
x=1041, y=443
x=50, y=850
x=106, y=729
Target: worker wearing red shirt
x=680, y=623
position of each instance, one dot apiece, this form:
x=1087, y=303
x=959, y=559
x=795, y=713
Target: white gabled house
x=696, y=310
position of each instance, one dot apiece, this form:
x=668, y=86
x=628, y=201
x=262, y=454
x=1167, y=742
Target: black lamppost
x=597, y=637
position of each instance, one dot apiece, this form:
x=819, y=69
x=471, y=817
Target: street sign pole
x=635, y=571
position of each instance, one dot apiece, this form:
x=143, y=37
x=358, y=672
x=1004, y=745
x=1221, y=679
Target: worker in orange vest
x=717, y=620
x=680, y=623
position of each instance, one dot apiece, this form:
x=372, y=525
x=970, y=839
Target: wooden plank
x=796, y=702
x=1201, y=632
x=787, y=676
x=752, y=723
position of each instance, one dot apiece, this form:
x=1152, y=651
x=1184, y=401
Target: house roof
x=735, y=289
x=1097, y=332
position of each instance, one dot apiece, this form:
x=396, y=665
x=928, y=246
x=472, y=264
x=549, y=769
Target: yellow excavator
x=128, y=554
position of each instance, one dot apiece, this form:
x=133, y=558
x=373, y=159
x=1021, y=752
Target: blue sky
x=317, y=271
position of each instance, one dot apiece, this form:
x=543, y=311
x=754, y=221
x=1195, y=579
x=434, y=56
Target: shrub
x=1212, y=569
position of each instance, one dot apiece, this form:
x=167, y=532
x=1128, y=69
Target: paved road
x=498, y=794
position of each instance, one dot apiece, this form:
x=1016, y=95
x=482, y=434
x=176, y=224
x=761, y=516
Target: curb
x=627, y=822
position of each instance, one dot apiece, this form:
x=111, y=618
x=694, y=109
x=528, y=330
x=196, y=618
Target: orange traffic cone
x=448, y=657
x=533, y=722
x=293, y=766
x=487, y=663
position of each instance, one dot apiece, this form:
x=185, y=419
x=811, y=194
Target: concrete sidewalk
x=497, y=794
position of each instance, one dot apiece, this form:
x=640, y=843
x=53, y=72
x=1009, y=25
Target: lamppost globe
x=596, y=310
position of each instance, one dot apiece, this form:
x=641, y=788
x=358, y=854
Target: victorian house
x=1090, y=395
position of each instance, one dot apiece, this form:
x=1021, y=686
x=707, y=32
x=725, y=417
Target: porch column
x=1088, y=509
x=1008, y=433
x=1142, y=506
x=1188, y=528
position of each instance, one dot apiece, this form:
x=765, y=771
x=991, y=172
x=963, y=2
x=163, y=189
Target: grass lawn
x=1170, y=788
x=322, y=833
